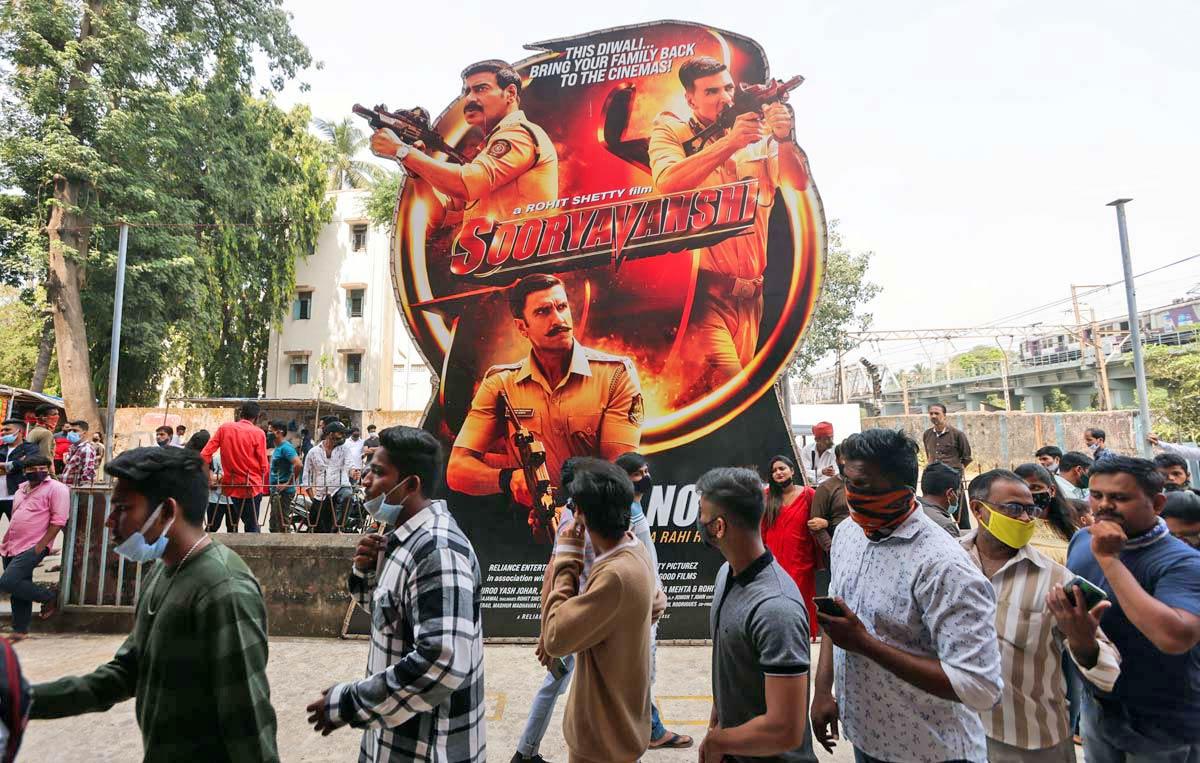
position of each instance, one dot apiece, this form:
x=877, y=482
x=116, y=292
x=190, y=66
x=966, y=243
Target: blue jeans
x=1075, y=691
x=1106, y=727
x=17, y=581
x=542, y=708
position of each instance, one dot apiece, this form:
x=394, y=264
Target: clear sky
x=972, y=146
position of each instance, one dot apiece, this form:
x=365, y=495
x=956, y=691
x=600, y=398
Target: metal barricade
x=92, y=574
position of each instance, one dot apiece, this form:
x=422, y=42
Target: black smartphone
x=828, y=606
x=1092, y=594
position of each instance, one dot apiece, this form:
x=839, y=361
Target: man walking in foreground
x=759, y=625
x=197, y=658
x=607, y=626
x=422, y=699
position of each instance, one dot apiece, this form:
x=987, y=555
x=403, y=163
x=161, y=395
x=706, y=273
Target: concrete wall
x=1003, y=440
x=303, y=579
x=135, y=426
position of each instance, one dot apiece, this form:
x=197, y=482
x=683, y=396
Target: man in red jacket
x=243, y=446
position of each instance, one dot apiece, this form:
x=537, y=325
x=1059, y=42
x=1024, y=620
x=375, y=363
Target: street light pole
x=114, y=357
x=1135, y=330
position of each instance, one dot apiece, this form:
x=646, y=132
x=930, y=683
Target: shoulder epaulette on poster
x=501, y=367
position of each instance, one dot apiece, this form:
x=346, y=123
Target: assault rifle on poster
x=543, y=517
x=411, y=126
x=749, y=99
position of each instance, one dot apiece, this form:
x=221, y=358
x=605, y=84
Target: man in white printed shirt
x=327, y=478
x=915, y=654
x=1035, y=620
x=817, y=458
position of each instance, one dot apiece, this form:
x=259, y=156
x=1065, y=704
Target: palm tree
x=346, y=142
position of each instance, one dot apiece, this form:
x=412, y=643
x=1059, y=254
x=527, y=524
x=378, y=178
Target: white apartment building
x=344, y=333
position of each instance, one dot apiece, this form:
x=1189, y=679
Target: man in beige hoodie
x=607, y=624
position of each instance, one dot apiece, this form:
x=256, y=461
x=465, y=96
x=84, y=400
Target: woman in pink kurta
x=785, y=530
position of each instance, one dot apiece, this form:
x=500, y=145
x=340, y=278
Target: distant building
x=344, y=332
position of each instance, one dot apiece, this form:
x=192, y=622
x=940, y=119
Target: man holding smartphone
x=1153, y=580
x=1030, y=723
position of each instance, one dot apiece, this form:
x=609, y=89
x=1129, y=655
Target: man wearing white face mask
x=422, y=699
x=196, y=660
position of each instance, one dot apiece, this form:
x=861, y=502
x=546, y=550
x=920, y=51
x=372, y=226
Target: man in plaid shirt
x=81, y=457
x=422, y=698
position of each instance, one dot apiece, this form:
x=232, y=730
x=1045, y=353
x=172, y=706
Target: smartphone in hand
x=1092, y=594
x=827, y=605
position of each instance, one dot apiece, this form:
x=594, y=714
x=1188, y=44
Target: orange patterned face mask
x=880, y=513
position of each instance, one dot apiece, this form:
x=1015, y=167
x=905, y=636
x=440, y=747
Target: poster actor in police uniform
x=517, y=165
x=578, y=401
x=722, y=331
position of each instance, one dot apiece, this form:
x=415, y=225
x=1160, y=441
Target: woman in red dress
x=785, y=530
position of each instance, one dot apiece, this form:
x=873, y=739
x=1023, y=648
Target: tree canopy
x=152, y=113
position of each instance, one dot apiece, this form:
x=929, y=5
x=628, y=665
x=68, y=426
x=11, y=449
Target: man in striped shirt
x=1034, y=620
x=422, y=698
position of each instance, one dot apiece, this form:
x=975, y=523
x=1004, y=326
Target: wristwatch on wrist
x=402, y=152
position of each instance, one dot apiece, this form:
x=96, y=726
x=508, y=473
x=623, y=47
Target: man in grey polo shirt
x=760, y=633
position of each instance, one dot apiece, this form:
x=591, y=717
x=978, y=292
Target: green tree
x=845, y=291
x=346, y=142
x=380, y=205
x=1174, y=377
x=1056, y=401
x=147, y=112
x=981, y=360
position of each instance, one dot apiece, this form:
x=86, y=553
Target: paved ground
x=300, y=668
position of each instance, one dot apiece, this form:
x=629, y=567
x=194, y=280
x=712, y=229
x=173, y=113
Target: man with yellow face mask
x=1030, y=721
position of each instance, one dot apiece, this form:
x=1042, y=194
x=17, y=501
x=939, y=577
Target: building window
x=353, y=367
x=358, y=237
x=299, y=370
x=354, y=302
x=302, y=307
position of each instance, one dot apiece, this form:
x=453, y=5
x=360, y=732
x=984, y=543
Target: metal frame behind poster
x=687, y=302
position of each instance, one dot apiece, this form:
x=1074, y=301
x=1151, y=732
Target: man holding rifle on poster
x=685, y=154
x=576, y=401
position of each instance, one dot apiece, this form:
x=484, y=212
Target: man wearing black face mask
x=424, y=686
x=40, y=510
x=638, y=469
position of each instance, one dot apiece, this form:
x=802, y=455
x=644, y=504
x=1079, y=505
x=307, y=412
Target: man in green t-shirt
x=196, y=660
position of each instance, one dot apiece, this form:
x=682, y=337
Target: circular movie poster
x=612, y=245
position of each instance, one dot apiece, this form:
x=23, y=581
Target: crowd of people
x=1000, y=620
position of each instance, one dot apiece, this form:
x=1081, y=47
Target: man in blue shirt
x=286, y=467
x=1153, y=581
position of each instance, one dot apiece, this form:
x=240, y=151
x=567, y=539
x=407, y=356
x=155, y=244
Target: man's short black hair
x=931, y=406
x=631, y=461
x=81, y=423
x=603, y=493
x=566, y=472
x=1167, y=460
x=696, y=67
x=1074, y=458
x=333, y=427
x=371, y=427
x=738, y=491
x=505, y=74
x=519, y=292
x=355, y=430
x=165, y=428
x=893, y=451
x=15, y=423
x=180, y=428
x=981, y=487
x=278, y=424
x=38, y=460
x=1095, y=434
x=938, y=478
x=250, y=410
x=1049, y=450
x=1141, y=469
x=414, y=451
x=1182, y=504
x=162, y=473
x=45, y=409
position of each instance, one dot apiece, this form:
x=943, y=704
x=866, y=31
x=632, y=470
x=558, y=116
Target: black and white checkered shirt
x=422, y=698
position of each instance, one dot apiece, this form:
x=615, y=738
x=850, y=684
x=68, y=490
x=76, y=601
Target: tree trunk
x=41, y=369
x=69, y=234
